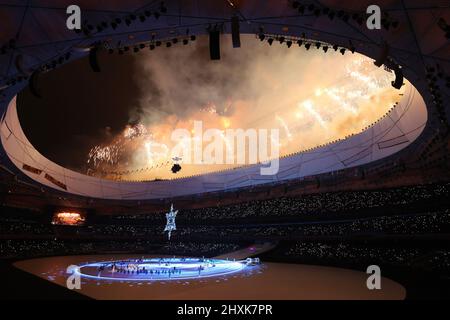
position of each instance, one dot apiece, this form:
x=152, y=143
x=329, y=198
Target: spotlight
x=281, y=39
x=168, y=44
x=289, y=43
x=307, y=46
x=317, y=45
x=142, y=46
x=261, y=36
x=335, y=47
x=193, y=38
x=352, y=49
x=270, y=41
x=342, y=51
x=325, y=49
x=174, y=40
x=185, y=41
x=152, y=47
x=299, y=42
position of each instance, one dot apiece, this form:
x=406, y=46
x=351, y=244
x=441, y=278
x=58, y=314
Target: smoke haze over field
x=312, y=97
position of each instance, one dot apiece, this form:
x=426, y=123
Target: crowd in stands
x=24, y=227
x=355, y=253
x=434, y=260
x=433, y=222
x=313, y=204
x=37, y=248
x=199, y=249
x=343, y=217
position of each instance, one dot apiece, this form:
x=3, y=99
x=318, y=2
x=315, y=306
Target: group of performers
x=133, y=267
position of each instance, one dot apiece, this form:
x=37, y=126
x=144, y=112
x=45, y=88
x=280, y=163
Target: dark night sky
x=76, y=107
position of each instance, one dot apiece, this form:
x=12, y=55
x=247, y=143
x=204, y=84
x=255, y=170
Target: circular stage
x=228, y=280
x=160, y=269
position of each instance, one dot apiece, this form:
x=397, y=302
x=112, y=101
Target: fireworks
x=110, y=155
x=134, y=131
x=106, y=154
x=330, y=100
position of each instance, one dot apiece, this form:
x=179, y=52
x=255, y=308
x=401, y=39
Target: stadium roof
x=34, y=35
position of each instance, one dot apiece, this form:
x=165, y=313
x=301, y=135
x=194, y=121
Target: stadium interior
x=355, y=187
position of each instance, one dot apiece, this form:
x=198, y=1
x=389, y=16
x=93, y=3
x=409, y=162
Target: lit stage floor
x=160, y=269
x=229, y=281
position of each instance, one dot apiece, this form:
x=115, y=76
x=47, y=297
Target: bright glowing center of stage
x=160, y=269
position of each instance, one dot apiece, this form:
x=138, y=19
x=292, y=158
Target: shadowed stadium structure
x=377, y=197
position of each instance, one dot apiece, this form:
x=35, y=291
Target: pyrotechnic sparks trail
x=308, y=105
x=329, y=100
x=285, y=127
x=333, y=94
x=135, y=131
x=106, y=154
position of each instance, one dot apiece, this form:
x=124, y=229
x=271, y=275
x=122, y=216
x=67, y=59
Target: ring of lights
x=160, y=269
x=390, y=134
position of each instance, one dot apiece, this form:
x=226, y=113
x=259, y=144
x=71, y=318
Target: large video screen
x=68, y=218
